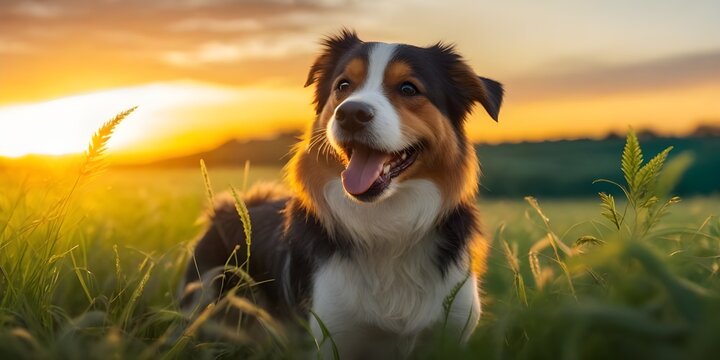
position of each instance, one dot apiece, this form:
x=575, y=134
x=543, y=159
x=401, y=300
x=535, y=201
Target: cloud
x=290, y=19
x=9, y=46
x=276, y=47
x=216, y=25
x=666, y=73
x=196, y=4
x=36, y=9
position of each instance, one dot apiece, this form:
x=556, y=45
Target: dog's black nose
x=353, y=115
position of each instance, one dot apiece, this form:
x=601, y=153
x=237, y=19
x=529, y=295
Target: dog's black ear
x=469, y=87
x=489, y=93
x=334, y=46
x=491, y=96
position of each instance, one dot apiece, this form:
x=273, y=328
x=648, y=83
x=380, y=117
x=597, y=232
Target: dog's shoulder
x=459, y=230
x=260, y=194
x=306, y=234
x=264, y=203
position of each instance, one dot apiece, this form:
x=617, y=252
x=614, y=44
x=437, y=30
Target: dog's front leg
x=464, y=313
x=342, y=336
x=333, y=299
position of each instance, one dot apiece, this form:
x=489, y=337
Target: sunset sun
x=179, y=116
x=62, y=126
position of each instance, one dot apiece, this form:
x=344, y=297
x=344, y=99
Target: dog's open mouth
x=370, y=171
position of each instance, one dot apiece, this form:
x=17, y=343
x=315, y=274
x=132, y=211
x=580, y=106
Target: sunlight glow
x=166, y=111
x=184, y=117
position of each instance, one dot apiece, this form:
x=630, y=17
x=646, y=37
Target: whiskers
x=319, y=140
x=316, y=137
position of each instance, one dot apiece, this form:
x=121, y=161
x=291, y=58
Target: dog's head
x=390, y=113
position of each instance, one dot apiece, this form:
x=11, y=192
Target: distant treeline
x=568, y=168
x=553, y=169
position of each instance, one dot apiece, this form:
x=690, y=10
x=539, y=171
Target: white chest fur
x=384, y=305
x=408, y=211
x=402, y=295
x=394, y=288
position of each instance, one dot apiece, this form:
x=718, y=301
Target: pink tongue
x=364, y=168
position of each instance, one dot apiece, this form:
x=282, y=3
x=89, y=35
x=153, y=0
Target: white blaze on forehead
x=385, y=131
x=378, y=59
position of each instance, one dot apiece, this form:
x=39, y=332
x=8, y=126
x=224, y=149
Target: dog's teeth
x=386, y=169
x=404, y=156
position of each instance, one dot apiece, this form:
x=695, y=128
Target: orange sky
x=206, y=71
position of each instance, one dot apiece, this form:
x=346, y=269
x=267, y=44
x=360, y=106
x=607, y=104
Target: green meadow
x=89, y=269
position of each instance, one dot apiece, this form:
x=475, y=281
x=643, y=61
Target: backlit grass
x=94, y=274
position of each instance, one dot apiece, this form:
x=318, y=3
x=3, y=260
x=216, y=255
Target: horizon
x=703, y=130
x=205, y=72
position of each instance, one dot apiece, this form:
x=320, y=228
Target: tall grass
x=633, y=288
x=59, y=299
x=237, y=275
x=35, y=249
x=95, y=276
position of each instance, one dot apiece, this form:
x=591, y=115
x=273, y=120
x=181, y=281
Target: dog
x=379, y=238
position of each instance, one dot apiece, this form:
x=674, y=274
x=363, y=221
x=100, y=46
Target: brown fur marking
x=442, y=160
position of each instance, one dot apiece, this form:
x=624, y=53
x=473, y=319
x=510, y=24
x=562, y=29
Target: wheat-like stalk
x=244, y=214
x=92, y=165
x=129, y=308
x=631, y=160
x=208, y=186
x=98, y=144
x=514, y=263
x=607, y=202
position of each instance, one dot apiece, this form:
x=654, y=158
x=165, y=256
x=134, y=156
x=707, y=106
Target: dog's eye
x=342, y=85
x=408, y=89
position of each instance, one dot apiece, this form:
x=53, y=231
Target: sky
x=203, y=72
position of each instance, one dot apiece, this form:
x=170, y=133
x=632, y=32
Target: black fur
x=451, y=85
x=309, y=245
x=282, y=230
x=336, y=47
x=225, y=232
x=289, y=243
x=493, y=97
x=457, y=231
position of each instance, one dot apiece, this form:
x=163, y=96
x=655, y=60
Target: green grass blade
x=327, y=336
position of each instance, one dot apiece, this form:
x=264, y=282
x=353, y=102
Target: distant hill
x=271, y=151
x=564, y=168
x=706, y=131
